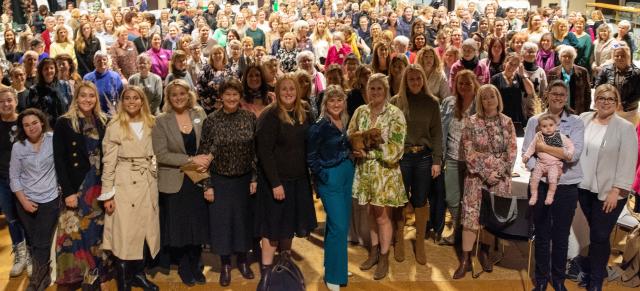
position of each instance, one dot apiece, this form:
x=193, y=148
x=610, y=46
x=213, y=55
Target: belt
x=414, y=149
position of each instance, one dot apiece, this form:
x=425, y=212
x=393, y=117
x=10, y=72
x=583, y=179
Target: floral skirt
x=79, y=236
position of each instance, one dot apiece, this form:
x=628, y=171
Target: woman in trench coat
x=130, y=191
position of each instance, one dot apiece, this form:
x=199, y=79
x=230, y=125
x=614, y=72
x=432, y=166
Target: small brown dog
x=366, y=140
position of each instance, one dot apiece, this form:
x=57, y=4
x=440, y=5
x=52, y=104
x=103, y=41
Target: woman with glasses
x=625, y=76
x=608, y=164
x=553, y=222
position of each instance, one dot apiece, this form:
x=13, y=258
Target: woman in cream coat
x=130, y=191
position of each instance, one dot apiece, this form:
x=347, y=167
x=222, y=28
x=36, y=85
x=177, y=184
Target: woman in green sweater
x=585, y=46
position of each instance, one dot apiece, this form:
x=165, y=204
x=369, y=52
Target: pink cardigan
x=636, y=182
x=337, y=57
x=481, y=70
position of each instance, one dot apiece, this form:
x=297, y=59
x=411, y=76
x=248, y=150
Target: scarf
x=179, y=74
x=317, y=83
x=531, y=67
x=550, y=57
x=352, y=41
x=470, y=64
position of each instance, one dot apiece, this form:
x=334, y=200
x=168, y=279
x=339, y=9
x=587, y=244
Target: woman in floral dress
x=77, y=147
x=489, y=150
x=378, y=180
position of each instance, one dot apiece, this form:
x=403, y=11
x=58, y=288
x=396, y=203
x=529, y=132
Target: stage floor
x=510, y=274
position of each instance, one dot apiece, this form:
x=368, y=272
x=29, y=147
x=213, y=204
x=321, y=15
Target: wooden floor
x=509, y=275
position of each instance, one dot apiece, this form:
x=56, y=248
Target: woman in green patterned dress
x=378, y=180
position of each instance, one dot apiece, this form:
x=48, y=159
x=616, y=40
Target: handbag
x=285, y=275
x=506, y=217
x=191, y=170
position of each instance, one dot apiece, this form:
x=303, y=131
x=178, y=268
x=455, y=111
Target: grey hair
x=470, y=42
x=143, y=57
x=307, y=54
x=624, y=22
x=562, y=49
x=100, y=54
x=403, y=40
x=529, y=46
x=300, y=24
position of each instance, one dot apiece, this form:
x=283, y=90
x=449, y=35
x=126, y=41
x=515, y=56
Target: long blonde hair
x=401, y=100
x=193, y=98
x=298, y=107
x=335, y=91
x=122, y=117
x=74, y=114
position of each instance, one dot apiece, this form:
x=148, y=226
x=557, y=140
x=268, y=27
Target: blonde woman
x=562, y=35
x=321, y=40
x=130, y=190
x=436, y=78
x=63, y=45
x=123, y=54
x=284, y=196
x=378, y=179
x=77, y=153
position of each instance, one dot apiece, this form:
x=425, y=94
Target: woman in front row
x=130, y=191
x=489, y=150
x=328, y=154
x=77, y=146
x=608, y=169
x=553, y=222
x=228, y=139
x=378, y=179
x=183, y=211
x=33, y=180
x=284, y=202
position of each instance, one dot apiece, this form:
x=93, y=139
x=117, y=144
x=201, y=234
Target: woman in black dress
x=285, y=202
x=228, y=138
x=183, y=211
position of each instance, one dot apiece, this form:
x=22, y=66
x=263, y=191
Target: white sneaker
x=19, y=259
x=333, y=287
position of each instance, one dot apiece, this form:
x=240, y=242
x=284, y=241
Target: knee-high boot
x=398, y=247
x=123, y=275
x=421, y=229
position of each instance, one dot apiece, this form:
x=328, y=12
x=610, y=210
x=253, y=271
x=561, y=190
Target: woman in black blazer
x=77, y=148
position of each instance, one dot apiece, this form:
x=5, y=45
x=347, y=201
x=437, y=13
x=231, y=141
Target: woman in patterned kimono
x=489, y=150
x=77, y=152
x=378, y=180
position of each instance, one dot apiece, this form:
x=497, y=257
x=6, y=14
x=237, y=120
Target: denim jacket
x=447, y=110
x=327, y=147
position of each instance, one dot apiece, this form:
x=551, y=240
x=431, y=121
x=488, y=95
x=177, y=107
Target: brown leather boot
x=398, y=246
x=465, y=266
x=421, y=228
x=372, y=260
x=383, y=267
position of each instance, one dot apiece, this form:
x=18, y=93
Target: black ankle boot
x=558, y=285
x=185, y=271
x=541, y=285
x=140, y=278
x=225, y=275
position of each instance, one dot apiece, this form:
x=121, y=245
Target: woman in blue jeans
x=328, y=153
x=8, y=131
x=608, y=163
x=553, y=222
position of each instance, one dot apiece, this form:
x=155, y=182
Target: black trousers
x=39, y=228
x=552, y=225
x=600, y=226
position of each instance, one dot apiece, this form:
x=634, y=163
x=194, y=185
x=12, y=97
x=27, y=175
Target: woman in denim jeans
x=8, y=131
x=453, y=111
x=422, y=157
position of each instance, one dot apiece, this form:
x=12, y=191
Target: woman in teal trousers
x=328, y=154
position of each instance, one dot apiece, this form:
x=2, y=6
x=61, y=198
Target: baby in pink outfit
x=547, y=164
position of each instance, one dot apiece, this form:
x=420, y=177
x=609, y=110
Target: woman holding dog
x=328, y=154
x=378, y=179
x=422, y=158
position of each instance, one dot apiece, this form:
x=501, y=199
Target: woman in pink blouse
x=159, y=57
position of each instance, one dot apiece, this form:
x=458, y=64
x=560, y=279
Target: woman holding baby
x=378, y=180
x=553, y=221
x=608, y=170
x=420, y=164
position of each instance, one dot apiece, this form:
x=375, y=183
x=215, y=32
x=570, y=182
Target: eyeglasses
x=606, y=100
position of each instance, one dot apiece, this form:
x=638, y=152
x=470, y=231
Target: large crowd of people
x=131, y=139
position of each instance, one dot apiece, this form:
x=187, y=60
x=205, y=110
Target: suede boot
x=383, y=267
x=421, y=228
x=398, y=246
x=372, y=260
